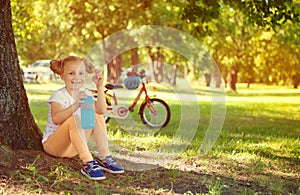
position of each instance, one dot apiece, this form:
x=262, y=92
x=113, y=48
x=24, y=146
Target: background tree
x=233, y=38
x=288, y=39
x=73, y=27
x=233, y=46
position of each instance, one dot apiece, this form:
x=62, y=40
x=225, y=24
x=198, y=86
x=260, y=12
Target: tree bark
x=18, y=129
x=135, y=59
x=156, y=65
x=233, y=80
x=175, y=75
x=114, y=69
x=296, y=81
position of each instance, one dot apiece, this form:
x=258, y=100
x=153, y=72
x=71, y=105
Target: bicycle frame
x=154, y=112
x=142, y=90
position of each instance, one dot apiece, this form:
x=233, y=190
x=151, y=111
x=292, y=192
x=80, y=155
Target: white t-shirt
x=65, y=99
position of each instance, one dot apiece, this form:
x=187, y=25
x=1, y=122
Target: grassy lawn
x=257, y=151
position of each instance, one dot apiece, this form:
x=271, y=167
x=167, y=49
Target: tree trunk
x=175, y=75
x=248, y=83
x=218, y=80
x=207, y=79
x=186, y=70
x=135, y=59
x=159, y=67
x=18, y=129
x=296, y=81
x=233, y=80
x=156, y=65
x=114, y=63
x=114, y=69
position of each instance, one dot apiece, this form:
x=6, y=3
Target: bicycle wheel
x=108, y=102
x=155, y=113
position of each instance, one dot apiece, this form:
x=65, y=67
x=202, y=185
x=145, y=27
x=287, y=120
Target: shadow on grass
x=266, y=130
x=37, y=172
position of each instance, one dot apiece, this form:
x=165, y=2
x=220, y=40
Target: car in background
x=39, y=71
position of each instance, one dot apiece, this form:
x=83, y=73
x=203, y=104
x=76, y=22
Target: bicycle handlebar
x=140, y=74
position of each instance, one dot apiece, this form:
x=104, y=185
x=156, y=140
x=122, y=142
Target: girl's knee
x=73, y=122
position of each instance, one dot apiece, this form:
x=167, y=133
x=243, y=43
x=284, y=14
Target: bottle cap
x=88, y=92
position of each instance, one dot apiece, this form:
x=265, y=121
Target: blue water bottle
x=87, y=108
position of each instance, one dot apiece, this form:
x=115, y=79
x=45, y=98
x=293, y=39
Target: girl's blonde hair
x=57, y=66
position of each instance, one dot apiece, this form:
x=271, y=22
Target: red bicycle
x=154, y=112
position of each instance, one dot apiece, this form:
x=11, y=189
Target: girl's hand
x=60, y=114
x=78, y=97
x=98, y=78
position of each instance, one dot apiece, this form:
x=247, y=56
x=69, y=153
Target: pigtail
x=57, y=66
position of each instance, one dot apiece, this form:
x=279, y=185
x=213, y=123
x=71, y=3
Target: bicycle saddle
x=113, y=86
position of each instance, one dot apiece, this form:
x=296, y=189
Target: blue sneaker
x=92, y=171
x=109, y=164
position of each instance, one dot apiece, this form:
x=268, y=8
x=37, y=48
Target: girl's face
x=74, y=75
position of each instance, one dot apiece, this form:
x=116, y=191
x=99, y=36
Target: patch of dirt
x=35, y=172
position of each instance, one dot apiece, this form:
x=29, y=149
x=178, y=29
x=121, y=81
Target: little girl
x=63, y=135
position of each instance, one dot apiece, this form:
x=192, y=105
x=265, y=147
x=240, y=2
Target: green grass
x=259, y=141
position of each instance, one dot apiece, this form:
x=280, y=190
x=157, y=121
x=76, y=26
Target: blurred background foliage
x=250, y=41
